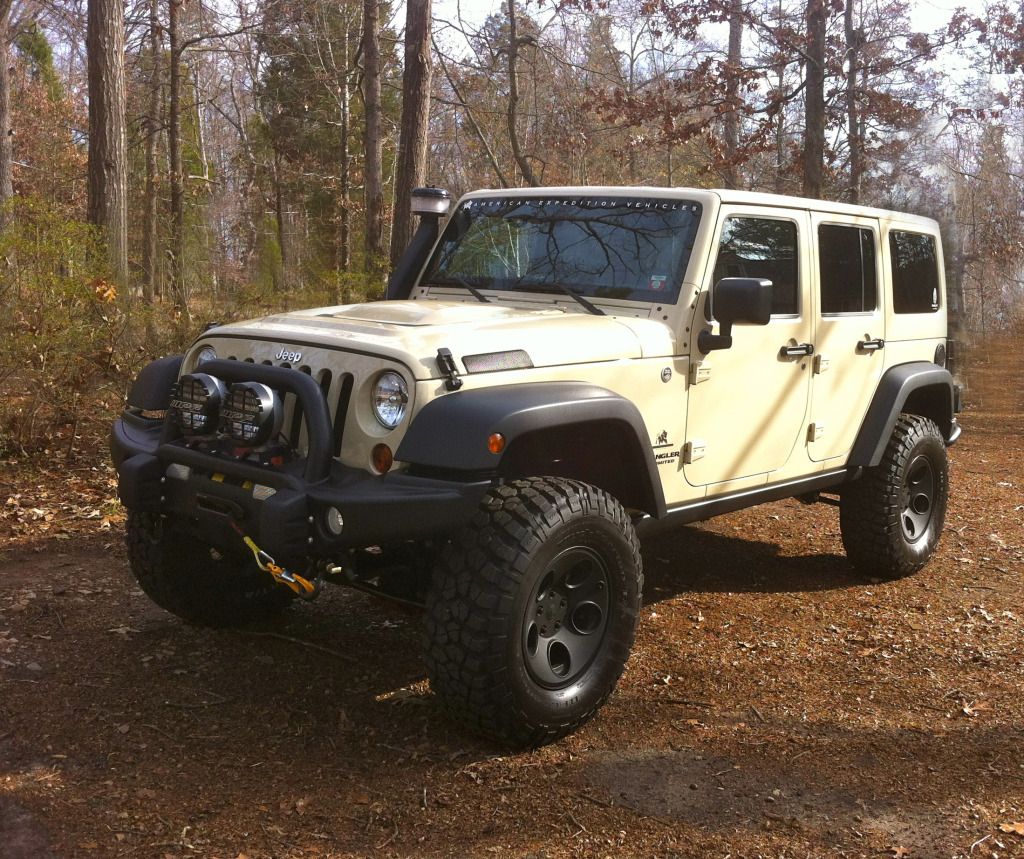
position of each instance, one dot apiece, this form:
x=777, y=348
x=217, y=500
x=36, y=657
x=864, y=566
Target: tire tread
x=472, y=596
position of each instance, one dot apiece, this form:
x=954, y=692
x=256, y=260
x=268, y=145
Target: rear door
x=849, y=336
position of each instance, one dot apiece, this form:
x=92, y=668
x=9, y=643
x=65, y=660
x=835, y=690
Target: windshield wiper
x=565, y=290
x=459, y=280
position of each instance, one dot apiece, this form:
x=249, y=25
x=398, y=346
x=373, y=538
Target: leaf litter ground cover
x=776, y=704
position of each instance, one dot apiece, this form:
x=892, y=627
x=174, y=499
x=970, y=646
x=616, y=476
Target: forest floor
x=776, y=703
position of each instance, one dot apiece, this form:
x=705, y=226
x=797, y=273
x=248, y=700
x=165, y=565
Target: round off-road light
x=196, y=402
x=207, y=353
x=390, y=397
x=383, y=458
x=251, y=414
x=335, y=521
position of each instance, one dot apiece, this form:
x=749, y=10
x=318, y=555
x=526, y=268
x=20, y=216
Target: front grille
x=337, y=390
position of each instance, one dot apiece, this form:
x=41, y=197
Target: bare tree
x=6, y=148
x=412, y=144
x=732, y=116
x=178, y=289
x=814, y=96
x=514, y=43
x=108, y=169
x=151, y=127
x=372, y=136
x=853, y=39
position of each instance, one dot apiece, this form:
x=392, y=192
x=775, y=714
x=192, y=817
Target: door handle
x=796, y=351
x=871, y=345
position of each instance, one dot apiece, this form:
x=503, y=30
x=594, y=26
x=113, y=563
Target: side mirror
x=736, y=301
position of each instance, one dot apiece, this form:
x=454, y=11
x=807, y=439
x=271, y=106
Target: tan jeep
x=558, y=370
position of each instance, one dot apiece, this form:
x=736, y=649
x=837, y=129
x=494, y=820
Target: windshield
x=634, y=249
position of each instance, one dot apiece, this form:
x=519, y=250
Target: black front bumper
x=280, y=508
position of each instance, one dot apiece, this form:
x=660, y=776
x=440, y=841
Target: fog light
x=251, y=414
x=196, y=402
x=383, y=458
x=496, y=442
x=177, y=471
x=335, y=521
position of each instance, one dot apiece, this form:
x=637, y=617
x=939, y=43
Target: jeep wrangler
x=552, y=373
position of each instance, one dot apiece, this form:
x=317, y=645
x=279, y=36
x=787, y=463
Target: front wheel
x=198, y=585
x=533, y=609
x=891, y=519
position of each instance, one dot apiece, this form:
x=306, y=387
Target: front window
x=632, y=249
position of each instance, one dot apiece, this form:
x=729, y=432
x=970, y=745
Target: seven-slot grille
x=337, y=389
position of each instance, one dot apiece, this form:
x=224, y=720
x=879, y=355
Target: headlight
x=195, y=403
x=207, y=353
x=251, y=414
x=390, y=399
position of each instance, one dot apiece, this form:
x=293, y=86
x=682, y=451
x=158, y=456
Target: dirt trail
x=776, y=703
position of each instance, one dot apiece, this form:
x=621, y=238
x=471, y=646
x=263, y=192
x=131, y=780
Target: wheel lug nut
x=558, y=625
x=540, y=610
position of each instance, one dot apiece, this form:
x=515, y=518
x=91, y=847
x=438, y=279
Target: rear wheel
x=195, y=583
x=533, y=610
x=891, y=519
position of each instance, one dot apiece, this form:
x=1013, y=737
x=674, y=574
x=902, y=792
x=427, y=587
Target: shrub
x=61, y=322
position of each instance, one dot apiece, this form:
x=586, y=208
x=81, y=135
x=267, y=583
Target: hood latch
x=446, y=364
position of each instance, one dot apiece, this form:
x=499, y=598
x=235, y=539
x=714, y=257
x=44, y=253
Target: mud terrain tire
x=183, y=577
x=533, y=609
x=891, y=519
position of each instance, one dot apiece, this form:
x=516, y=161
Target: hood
x=412, y=332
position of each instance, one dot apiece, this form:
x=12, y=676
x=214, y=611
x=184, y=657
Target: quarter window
x=847, y=268
x=763, y=248
x=915, y=272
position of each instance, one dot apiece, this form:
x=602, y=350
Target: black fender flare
x=151, y=390
x=926, y=383
x=451, y=432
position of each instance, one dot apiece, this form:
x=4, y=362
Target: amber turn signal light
x=383, y=458
x=496, y=442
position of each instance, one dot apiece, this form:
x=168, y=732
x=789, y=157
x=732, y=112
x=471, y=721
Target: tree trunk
x=814, y=95
x=374, y=146
x=6, y=147
x=513, y=98
x=412, y=144
x=151, y=126
x=178, y=289
x=108, y=169
x=780, y=128
x=344, y=228
x=282, y=236
x=853, y=40
x=730, y=176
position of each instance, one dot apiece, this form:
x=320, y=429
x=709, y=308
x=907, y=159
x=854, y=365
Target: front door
x=747, y=405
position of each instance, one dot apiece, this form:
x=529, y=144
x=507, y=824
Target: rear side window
x=915, y=272
x=764, y=248
x=847, y=269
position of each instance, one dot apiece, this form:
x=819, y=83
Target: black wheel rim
x=566, y=617
x=917, y=502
